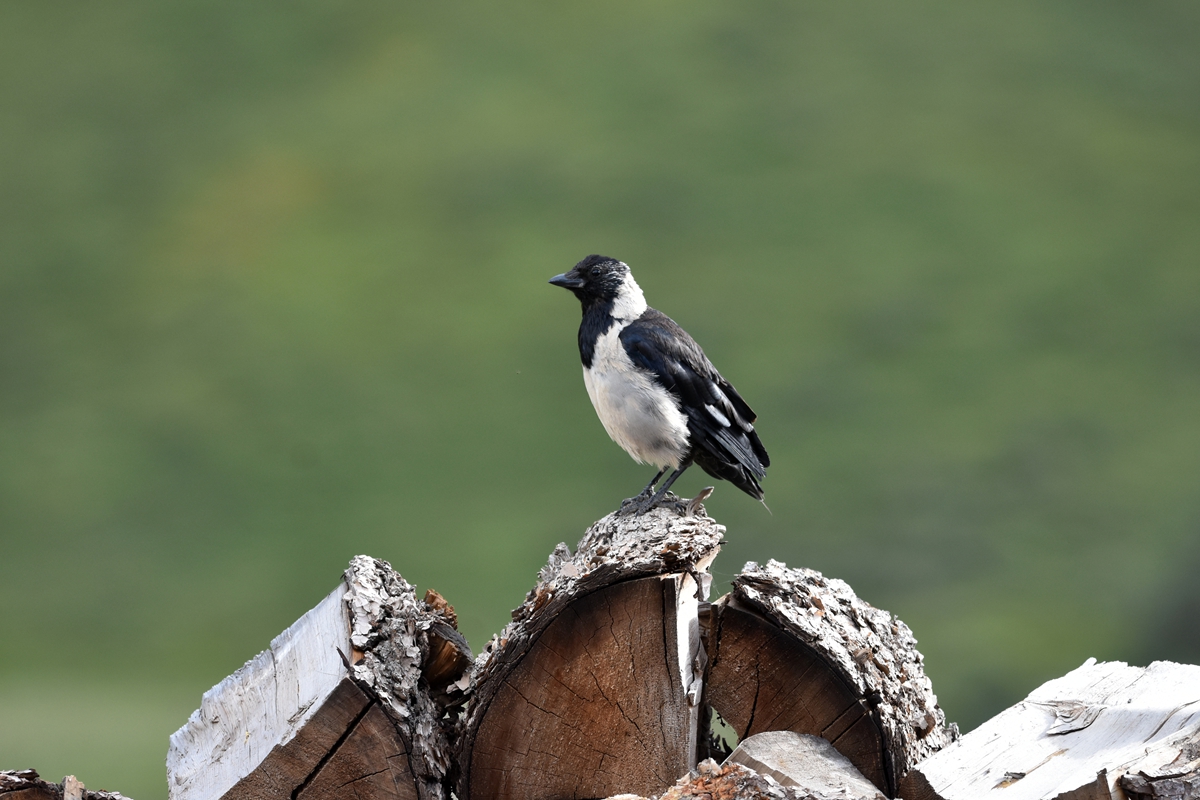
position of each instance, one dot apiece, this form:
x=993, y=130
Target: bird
x=656, y=393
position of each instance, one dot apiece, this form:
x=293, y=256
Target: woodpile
x=619, y=678
x=607, y=681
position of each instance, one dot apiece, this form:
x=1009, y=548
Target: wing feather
x=721, y=423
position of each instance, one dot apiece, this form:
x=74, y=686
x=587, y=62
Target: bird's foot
x=638, y=505
x=646, y=501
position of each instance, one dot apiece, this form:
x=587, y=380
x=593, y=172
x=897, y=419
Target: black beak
x=567, y=282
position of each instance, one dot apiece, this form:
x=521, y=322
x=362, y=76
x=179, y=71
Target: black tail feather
x=740, y=465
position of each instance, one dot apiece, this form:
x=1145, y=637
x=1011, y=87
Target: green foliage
x=272, y=293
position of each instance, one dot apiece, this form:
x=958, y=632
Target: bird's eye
x=595, y=272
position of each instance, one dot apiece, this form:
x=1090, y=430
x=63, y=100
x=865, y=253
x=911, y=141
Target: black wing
x=724, y=442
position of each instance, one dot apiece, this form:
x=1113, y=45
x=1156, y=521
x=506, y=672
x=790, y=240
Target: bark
x=1169, y=771
x=730, y=781
x=601, y=683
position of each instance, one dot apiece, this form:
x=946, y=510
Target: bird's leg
x=653, y=502
x=630, y=504
x=650, y=486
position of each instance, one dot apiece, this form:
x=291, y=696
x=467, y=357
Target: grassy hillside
x=272, y=293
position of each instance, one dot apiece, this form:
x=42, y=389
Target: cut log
x=1076, y=737
x=792, y=650
x=26, y=784
x=594, y=688
x=342, y=702
x=805, y=762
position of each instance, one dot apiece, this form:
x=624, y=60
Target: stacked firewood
x=618, y=677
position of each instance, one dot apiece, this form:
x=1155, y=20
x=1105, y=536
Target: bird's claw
x=637, y=506
x=644, y=502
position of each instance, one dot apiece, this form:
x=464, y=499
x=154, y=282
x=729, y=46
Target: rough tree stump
x=598, y=686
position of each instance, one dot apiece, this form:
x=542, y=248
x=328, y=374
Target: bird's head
x=600, y=279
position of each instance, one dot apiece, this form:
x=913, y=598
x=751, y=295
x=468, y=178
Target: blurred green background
x=273, y=293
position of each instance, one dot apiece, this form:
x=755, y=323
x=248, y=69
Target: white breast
x=638, y=414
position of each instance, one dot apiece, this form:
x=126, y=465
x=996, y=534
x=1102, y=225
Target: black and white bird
x=656, y=393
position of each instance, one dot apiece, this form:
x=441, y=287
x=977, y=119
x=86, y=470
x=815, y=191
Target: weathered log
x=348, y=700
x=1076, y=737
x=26, y=784
x=594, y=688
x=792, y=650
x=804, y=762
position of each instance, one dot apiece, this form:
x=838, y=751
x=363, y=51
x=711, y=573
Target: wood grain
x=289, y=765
x=595, y=707
x=838, y=664
x=351, y=700
x=594, y=687
x=806, y=762
x=763, y=679
x=370, y=764
x=245, y=718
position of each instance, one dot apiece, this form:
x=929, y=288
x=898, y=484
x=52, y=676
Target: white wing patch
x=717, y=415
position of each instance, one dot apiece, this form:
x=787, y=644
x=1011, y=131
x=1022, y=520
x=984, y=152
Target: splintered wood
x=727, y=781
x=1105, y=731
x=340, y=705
